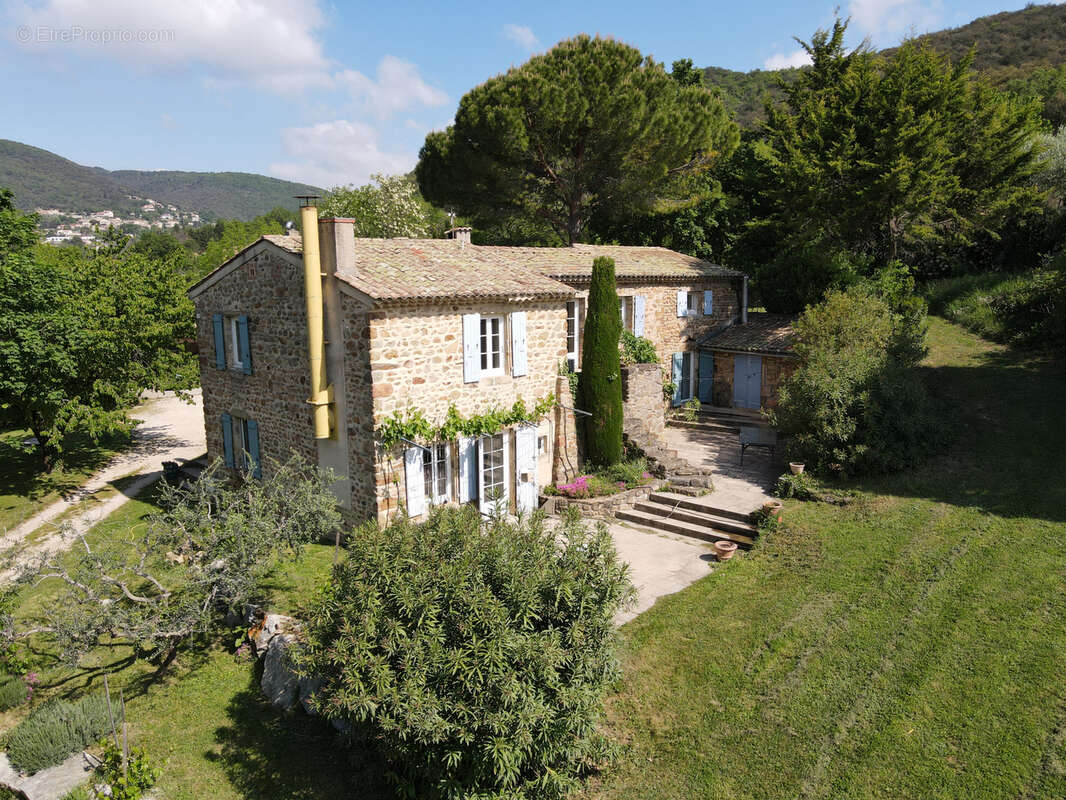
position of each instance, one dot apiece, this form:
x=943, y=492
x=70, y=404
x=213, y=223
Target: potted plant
x=724, y=549
x=796, y=467
x=772, y=507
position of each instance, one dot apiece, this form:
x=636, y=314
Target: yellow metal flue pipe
x=316, y=344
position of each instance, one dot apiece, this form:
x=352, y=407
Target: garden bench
x=757, y=436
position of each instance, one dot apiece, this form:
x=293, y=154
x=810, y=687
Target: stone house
x=426, y=325
x=748, y=361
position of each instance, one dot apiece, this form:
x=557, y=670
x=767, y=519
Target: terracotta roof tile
x=425, y=269
x=762, y=333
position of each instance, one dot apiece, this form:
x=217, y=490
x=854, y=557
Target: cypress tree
x=601, y=376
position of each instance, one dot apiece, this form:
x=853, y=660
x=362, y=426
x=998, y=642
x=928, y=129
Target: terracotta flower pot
x=772, y=506
x=724, y=549
x=796, y=467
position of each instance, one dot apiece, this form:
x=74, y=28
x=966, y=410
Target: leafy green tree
x=601, y=368
x=1048, y=86
x=81, y=334
x=228, y=237
x=208, y=551
x=882, y=158
x=856, y=404
x=388, y=206
x=159, y=245
x=590, y=127
x=473, y=656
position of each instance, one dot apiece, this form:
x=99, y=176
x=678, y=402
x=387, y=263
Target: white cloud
x=522, y=35
x=398, y=87
x=337, y=153
x=168, y=122
x=268, y=43
x=797, y=58
x=879, y=18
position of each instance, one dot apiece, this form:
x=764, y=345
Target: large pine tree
x=601, y=370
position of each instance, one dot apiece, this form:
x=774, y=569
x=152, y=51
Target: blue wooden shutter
x=220, y=343
x=227, y=440
x=638, y=315
x=471, y=348
x=252, y=429
x=467, y=469
x=682, y=303
x=708, y=302
x=246, y=350
x=678, y=370
x=518, y=344
x=706, y=390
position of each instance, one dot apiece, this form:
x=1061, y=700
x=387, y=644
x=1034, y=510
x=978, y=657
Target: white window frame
x=697, y=309
x=484, y=490
x=235, y=344
x=573, y=356
x=485, y=336
x=625, y=308
x=440, y=455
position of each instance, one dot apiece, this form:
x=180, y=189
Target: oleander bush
x=57, y=728
x=638, y=349
x=473, y=656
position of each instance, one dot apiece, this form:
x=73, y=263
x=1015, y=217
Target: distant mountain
x=1011, y=47
x=41, y=179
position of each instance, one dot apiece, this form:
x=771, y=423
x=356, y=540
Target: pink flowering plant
x=626, y=475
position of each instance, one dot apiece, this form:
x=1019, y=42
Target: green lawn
x=24, y=490
x=912, y=644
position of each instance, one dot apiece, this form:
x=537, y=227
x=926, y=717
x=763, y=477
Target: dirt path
x=171, y=429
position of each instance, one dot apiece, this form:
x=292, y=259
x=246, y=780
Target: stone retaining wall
x=601, y=507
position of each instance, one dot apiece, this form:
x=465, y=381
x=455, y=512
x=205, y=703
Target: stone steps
x=704, y=532
x=675, y=513
x=672, y=499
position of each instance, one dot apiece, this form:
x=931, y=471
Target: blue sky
x=329, y=93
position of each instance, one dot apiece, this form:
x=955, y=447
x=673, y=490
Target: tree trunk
x=46, y=452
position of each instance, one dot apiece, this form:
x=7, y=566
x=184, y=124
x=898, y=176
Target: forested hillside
x=42, y=179
x=1024, y=51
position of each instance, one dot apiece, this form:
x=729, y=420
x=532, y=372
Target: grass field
x=24, y=490
x=912, y=644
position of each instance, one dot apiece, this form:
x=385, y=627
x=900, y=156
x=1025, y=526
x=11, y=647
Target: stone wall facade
x=268, y=288
x=774, y=370
x=416, y=362
x=667, y=331
x=643, y=404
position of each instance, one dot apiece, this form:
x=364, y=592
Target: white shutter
x=682, y=303
x=518, y=344
x=708, y=302
x=413, y=477
x=525, y=464
x=471, y=348
x=638, y=315
x=467, y=468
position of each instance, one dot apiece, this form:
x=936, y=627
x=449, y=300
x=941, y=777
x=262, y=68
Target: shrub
x=631, y=473
x=13, y=692
x=601, y=378
x=474, y=656
x=801, y=487
x=855, y=404
x=638, y=350
x=56, y=729
x=130, y=783
x=689, y=410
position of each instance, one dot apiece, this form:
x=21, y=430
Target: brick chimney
x=461, y=235
x=337, y=237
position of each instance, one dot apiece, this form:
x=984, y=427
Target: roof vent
x=461, y=234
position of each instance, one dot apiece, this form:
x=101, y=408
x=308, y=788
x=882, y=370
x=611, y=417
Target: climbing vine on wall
x=411, y=424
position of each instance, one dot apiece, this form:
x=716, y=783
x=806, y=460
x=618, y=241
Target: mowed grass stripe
x=909, y=645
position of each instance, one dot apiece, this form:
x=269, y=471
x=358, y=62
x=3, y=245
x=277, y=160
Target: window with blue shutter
x=251, y=430
x=471, y=348
x=708, y=302
x=220, y=342
x=677, y=373
x=244, y=350
x=519, y=366
x=227, y=440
